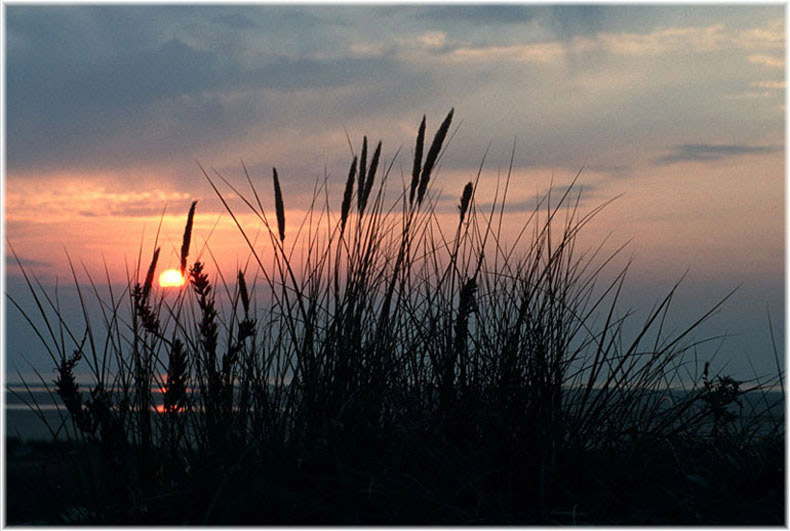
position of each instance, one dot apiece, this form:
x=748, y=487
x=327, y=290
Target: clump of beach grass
x=398, y=375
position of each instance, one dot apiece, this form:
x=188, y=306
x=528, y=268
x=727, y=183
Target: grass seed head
x=362, y=174
x=278, y=205
x=344, y=209
x=149, y=277
x=175, y=390
x=245, y=297
x=187, y=238
x=371, y=174
x=433, y=155
x=69, y=391
x=466, y=196
x=415, y=173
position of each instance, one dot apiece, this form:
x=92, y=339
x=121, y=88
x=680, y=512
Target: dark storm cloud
x=710, y=152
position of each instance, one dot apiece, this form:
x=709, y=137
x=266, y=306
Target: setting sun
x=171, y=279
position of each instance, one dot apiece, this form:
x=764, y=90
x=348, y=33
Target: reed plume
x=187, y=238
x=362, y=173
x=344, y=209
x=415, y=173
x=245, y=297
x=371, y=173
x=149, y=277
x=433, y=155
x=278, y=205
x=208, y=326
x=68, y=390
x=246, y=325
x=175, y=389
x=466, y=196
x=208, y=335
x=140, y=297
x=466, y=306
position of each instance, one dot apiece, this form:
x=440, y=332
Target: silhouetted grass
x=397, y=375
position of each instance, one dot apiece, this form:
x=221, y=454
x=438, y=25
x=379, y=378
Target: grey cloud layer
x=708, y=152
x=105, y=87
x=115, y=107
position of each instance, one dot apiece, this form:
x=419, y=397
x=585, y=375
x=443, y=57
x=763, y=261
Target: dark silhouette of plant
x=386, y=365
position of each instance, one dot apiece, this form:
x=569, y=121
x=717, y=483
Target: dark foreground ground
x=38, y=481
x=427, y=485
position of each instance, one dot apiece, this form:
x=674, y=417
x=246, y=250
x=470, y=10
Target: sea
x=36, y=413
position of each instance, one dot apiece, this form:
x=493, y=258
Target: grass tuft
x=404, y=372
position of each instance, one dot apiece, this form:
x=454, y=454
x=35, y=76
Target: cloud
x=569, y=21
x=561, y=22
x=544, y=52
x=660, y=41
x=618, y=171
x=777, y=85
x=235, y=20
x=27, y=262
x=157, y=104
x=771, y=61
x=201, y=83
x=477, y=15
x=78, y=105
x=27, y=202
x=771, y=37
x=694, y=38
x=433, y=39
x=710, y=152
x=525, y=204
x=753, y=95
x=584, y=194
x=698, y=39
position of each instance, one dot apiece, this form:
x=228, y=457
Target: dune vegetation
x=376, y=367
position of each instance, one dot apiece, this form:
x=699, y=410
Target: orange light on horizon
x=171, y=279
x=161, y=408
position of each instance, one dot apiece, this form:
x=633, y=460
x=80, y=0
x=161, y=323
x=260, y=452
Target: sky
x=678, y=111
